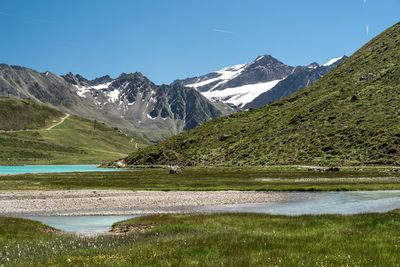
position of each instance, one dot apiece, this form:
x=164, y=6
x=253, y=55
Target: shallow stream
x=345, y=203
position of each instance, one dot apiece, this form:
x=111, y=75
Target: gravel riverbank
x=123, y=202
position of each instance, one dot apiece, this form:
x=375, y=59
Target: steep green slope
x=74, y=141
x=350, y=116
x=18, y=114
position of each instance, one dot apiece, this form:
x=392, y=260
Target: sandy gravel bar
x=118, y=202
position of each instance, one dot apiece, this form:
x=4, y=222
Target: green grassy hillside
x=75, y=141
x=18, y=114
x=350, y=117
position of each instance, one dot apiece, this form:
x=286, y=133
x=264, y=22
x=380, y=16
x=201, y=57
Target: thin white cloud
x=367, y=29
x=224, y=31
x=365, y=1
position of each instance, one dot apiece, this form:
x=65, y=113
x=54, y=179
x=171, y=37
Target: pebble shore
x=122, y=202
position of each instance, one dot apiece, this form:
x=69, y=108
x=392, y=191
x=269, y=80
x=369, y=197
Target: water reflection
x=345, y=203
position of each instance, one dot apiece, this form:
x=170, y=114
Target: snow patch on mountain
x=225, y=75
x=82, y=90
x=332, y=61
x=113, y=95
x=241, y=95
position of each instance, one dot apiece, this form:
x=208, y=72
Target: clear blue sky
x=170, y=39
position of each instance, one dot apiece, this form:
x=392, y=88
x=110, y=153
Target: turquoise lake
x=52, y=169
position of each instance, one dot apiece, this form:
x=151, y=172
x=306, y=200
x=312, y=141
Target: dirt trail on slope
x=46, y=129
x=62, y=120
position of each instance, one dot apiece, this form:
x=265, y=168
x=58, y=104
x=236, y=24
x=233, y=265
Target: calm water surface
x=345, y=203
x=52, y=169
x=87, y=225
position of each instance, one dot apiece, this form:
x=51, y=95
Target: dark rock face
x=75, y=80
x=100, y=80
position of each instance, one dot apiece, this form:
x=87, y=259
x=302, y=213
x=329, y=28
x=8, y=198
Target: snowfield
x=241, y=95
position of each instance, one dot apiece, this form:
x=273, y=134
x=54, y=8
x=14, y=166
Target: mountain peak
x=135, y=75
x=265, y=59
x=74, y=79
x=101, y=80
x=313, y=65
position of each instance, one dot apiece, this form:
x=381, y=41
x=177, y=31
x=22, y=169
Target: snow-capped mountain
x=242, y=83
x=157, y=111
x=301, y=77
x=247, y=85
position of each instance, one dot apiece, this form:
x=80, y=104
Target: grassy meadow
x=212, y=240
x=201, y=178
x=75, y=141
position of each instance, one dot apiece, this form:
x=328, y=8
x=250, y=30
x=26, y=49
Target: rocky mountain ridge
x=259, y=82
x=130, y=102
x=165, y=110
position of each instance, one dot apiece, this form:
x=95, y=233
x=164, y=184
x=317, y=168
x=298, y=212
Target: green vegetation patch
x=16, y=114
x=263, y=179
x=213, y=240
x=75, y=141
